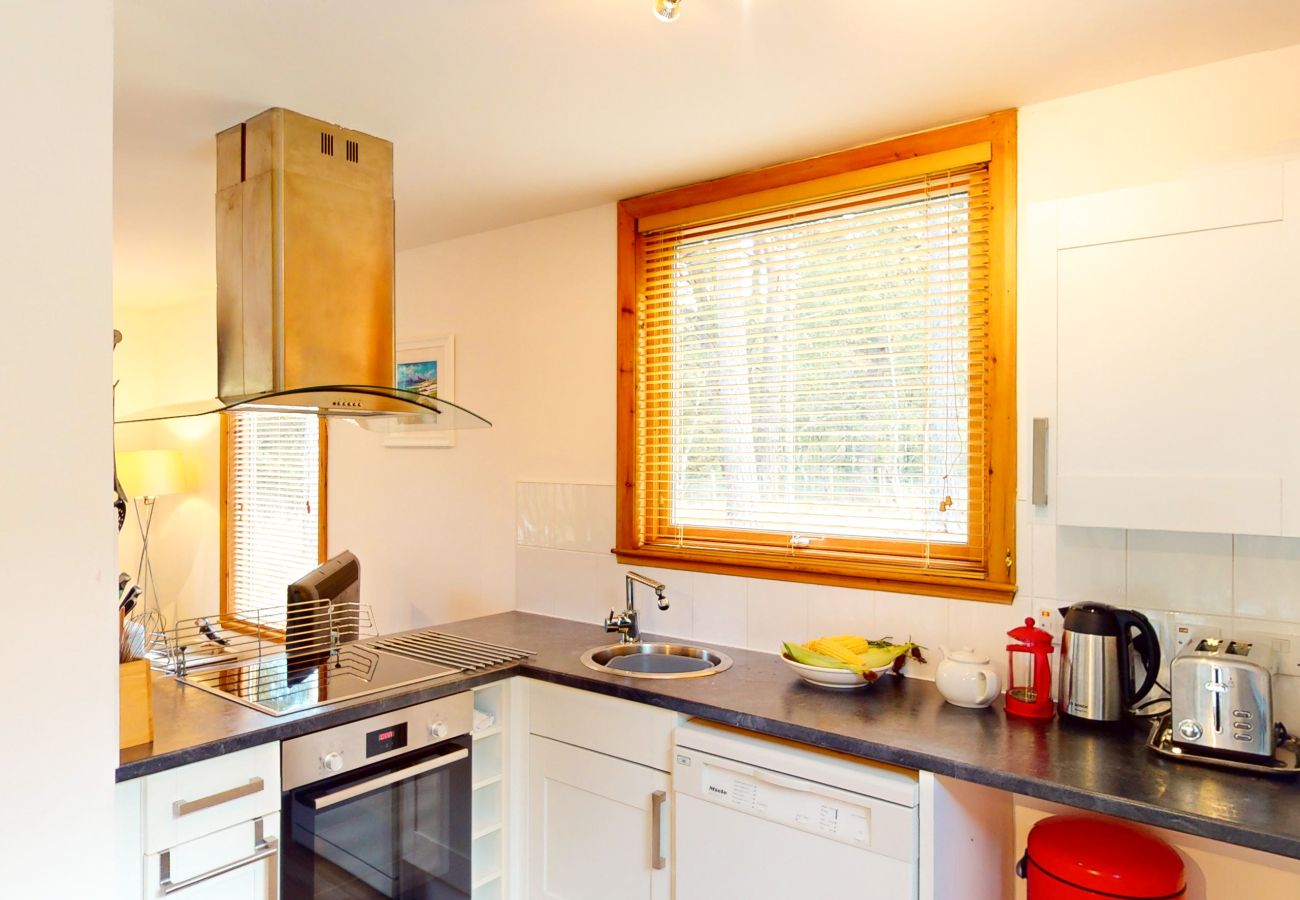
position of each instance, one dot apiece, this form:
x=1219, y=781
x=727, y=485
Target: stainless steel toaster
x=1221, y=698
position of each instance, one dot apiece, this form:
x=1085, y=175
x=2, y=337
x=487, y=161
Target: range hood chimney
x=304, y=216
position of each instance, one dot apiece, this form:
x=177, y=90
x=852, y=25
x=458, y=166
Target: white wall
x=531, y=312
x=59, y=696
x=1164, y=127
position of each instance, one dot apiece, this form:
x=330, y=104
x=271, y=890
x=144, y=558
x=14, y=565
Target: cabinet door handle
x=1038, y=487
x=657, y=829
x=263, y=848
x=185, y=807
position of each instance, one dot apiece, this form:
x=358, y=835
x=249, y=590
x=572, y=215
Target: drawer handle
x=185, y=807
x=263, y=848
x=657, y=829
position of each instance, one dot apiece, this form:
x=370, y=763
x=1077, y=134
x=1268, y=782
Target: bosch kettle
x=1097, y=652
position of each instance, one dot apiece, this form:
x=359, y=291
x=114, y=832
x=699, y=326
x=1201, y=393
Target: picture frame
x=427, y=365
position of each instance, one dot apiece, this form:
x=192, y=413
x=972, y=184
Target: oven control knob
x=437, y=730
x=332, y=761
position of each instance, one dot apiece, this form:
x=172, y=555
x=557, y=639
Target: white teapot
x=966, y=679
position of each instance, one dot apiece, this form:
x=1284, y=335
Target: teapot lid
x=968, y=655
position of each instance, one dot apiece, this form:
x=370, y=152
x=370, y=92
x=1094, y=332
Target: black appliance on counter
x=381, y=807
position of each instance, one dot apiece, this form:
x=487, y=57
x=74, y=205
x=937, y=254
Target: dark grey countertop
x=898, y=720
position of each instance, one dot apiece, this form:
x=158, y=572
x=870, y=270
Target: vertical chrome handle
x=657, y=799
x=1039, y=487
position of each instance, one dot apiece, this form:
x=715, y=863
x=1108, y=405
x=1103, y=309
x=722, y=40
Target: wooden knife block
x=135, y=703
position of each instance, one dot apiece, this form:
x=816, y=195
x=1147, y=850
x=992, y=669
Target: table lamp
x=145, y=476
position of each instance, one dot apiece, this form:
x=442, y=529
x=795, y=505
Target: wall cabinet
x=1178, y=380
x=595, y=826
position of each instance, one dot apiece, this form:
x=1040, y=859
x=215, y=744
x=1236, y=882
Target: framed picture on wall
x=427, y=366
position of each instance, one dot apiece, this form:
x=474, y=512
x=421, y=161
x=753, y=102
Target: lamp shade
x=151, y=473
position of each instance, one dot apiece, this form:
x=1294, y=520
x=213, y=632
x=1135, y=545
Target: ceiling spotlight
x=668, y=10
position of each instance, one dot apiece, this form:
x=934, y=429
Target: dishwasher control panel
x=762, y=794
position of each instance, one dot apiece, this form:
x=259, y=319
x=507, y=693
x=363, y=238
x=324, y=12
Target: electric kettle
x=1097, y=651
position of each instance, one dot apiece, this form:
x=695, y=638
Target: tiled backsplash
x=1241, y=586
x=564, y=568
x=1237, y=584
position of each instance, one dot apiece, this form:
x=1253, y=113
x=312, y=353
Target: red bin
x=1078, y=857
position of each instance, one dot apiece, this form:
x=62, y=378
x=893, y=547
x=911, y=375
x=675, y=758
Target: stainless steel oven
x=380, y=807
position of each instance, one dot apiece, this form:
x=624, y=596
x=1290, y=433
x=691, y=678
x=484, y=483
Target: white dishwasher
x=756, y=817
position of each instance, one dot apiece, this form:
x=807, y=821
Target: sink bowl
x=656, y=660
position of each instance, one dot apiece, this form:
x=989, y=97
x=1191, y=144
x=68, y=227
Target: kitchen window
x=816, y=369
x=273, y=513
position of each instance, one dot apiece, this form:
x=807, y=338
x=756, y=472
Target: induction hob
x=279, y=684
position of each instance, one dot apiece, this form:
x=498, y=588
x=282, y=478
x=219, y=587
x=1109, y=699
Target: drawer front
x=237, y=862
x=619, y=728
x=190, y=801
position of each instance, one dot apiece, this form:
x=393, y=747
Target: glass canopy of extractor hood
x=372, y=407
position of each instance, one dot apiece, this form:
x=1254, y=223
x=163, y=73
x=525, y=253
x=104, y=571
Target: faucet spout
x=626, y=623
x=634, y=578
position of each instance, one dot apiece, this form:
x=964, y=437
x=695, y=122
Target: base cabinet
x=210, y=829
x=598, y=826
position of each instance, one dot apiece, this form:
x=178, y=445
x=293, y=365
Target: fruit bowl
x=836, y=679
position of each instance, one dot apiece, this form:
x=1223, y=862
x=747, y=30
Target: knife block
x=135, y=703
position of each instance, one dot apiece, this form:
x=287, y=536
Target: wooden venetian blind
x=273, y=497
x=811, y=377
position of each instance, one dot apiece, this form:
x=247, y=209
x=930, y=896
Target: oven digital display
x=386, y=739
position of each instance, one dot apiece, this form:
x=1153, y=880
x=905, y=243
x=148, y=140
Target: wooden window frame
x=994, y=579
x=229, y=618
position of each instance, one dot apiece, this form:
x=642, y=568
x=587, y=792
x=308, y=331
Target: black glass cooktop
x=274, y=685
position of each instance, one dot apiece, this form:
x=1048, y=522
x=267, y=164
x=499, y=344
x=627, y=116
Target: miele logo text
x=718, y=790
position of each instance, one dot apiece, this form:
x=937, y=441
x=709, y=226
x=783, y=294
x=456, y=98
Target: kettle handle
x=1149, y=649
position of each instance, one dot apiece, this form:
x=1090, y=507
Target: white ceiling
x=504, y=111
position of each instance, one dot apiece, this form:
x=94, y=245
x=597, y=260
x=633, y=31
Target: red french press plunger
x=1029, y=663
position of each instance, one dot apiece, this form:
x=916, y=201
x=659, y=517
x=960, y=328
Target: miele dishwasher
x=757, y=817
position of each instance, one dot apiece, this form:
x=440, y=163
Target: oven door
x=397, y=829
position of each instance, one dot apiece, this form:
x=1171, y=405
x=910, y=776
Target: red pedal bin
x=1078, y=857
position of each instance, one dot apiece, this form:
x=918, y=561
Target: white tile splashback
x=1168, y=570
x=565, y=516
x=1266, y=578
x=1214, y=575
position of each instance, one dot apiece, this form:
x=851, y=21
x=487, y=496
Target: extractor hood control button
x=1189, y=729
x=437, y=730
x=332, y=761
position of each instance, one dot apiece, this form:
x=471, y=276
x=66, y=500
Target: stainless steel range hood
x=304, y=214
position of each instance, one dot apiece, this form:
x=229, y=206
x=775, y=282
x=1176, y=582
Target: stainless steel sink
x=640, y=660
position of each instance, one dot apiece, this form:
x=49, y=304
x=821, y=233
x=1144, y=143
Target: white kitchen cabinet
x=1178, y=377
x=208, y=829
x=596, y=824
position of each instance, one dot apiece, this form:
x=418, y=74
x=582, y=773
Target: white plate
x=836, y=679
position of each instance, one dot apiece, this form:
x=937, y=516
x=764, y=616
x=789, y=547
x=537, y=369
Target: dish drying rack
x=307, y=633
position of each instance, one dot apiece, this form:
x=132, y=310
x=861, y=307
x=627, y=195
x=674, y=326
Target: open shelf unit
x=489, y=801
